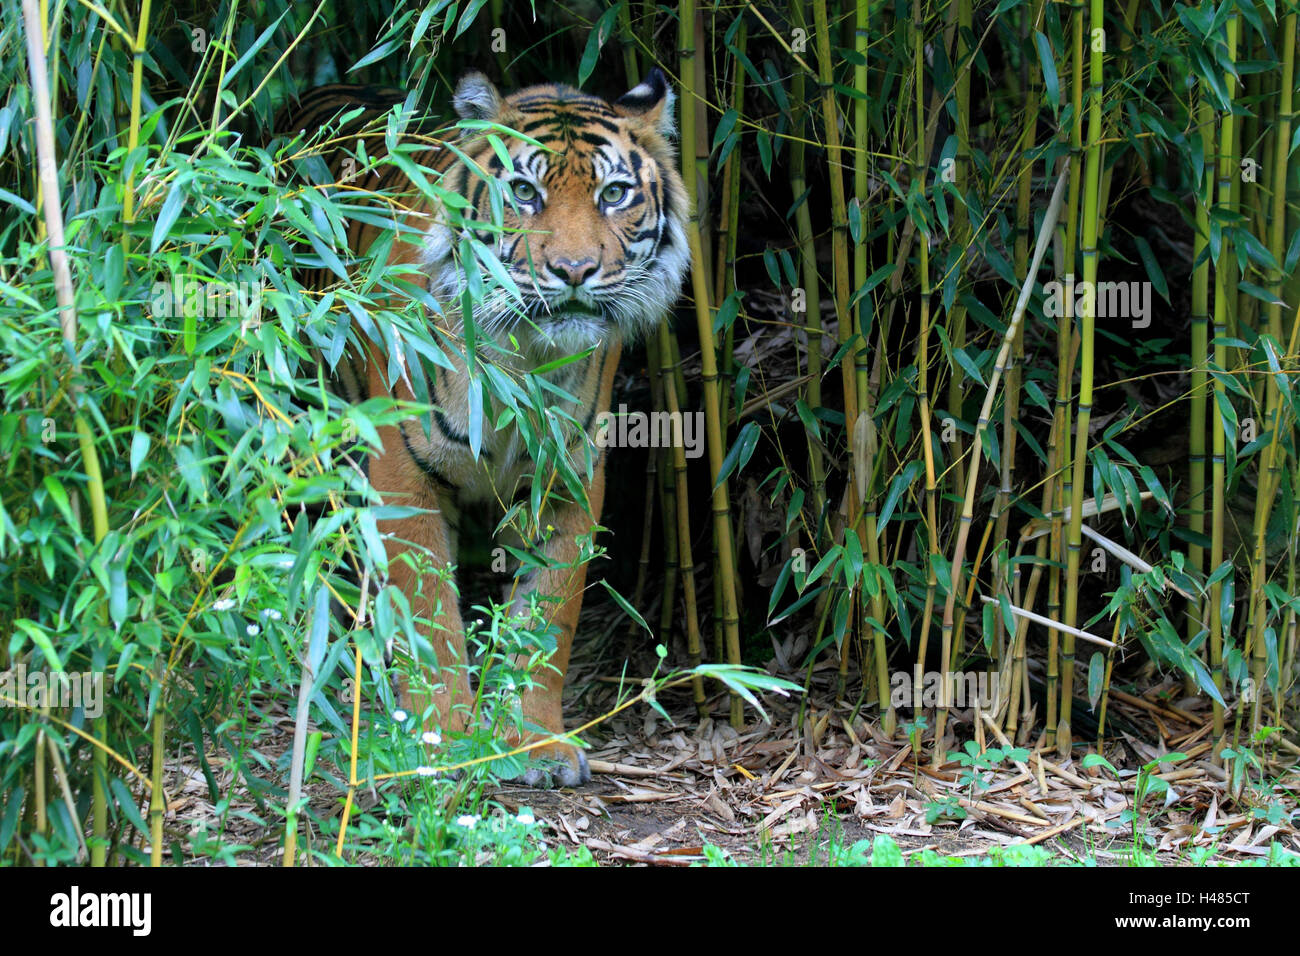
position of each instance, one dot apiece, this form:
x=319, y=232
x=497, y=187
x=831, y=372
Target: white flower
x=432, y=738
x=271, y=614
x=253, y=630
x=225, y=604
x=526, y=818
x=467, y=821
x=426, y=771
x=400, y=715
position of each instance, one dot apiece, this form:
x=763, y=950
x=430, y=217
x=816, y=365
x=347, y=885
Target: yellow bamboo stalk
x=1270, y=468
x=726, y=564
x=686, y=559
x=1091, y=213
x=967, y=515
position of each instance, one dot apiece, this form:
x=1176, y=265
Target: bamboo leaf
x=1047, y=62
x=627, y=607
x=167, y=215
x=1096, y=671
x=595, y=41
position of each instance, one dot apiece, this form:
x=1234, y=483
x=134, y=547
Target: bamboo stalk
x=1200, y=355
x=686, y=559
x=701, y=196
x=47, y=169
x=1066, y=348
x=811, y=285
x=667, y=495
x=157, y=796
x=1091, y=213
x=1024, y=220
x=864, y=388
x=959, y=550
x=1270, y=466
x=1105, y=684
x=726, y=565
x=729, y=218
x=839, y=228
x=133, y=134
x=960, y=12
x=1223, y=289
x=859, y=431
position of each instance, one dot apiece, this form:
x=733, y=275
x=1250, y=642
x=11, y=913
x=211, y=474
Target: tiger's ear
x=653, y=100
x=476, y=97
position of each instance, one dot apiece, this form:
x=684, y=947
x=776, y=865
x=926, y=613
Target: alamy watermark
x=77, y=908
x=1124, y=300
x=624, y=429
x=37, y=689
x=187, y=296
x=964, y=688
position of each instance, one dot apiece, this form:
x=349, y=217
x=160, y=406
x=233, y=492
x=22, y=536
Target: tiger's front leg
x=564, y=578
x=400, y=481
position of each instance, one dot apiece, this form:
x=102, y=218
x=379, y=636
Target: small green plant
x=1146, y=784
x=944, y=808
x=979, y=765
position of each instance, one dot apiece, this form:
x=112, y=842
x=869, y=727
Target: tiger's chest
x=443, y=444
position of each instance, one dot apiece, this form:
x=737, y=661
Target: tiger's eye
x=613, y=194
x=524, y=190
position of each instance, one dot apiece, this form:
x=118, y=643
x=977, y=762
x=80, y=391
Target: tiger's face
x=594, y=236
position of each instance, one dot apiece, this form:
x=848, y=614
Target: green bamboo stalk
x=1250, y=203
x=839, y=226
x=862, y=385
x=1270, y=467
x=1033, y=94
x=684, y=532
x=647, y=530
x=667, y=493
x=811, y=286
x=729, y=218
x=1105, y=684
x=133, y=133
x=627, y=37
x=1024, y=219
x=1224, y=287
x=725, y=566
x=702, y=196
x=1091, y=213
x=47, y=169
x=967, y=515
x=856, y=430
x=503, y=58
x=1066, y=353
x=1288, y=643
x=961, y=15
x=1200, y=355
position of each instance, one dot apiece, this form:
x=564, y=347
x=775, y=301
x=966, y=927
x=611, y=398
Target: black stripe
x=434, y=475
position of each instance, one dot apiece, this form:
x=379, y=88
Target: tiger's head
x=594, y=227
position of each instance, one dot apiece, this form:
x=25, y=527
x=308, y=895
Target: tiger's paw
x=556, y=768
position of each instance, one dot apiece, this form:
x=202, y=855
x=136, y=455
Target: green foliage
x=191, y=400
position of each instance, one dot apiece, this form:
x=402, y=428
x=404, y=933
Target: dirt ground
x=788, y=790
x=768, y=794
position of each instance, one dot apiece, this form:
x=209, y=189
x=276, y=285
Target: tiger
x=595, y=241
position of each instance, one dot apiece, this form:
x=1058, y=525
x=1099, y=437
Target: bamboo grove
x=973, y=447
x=1082, y=100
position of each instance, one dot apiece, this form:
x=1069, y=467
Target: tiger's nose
x=573, y=273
